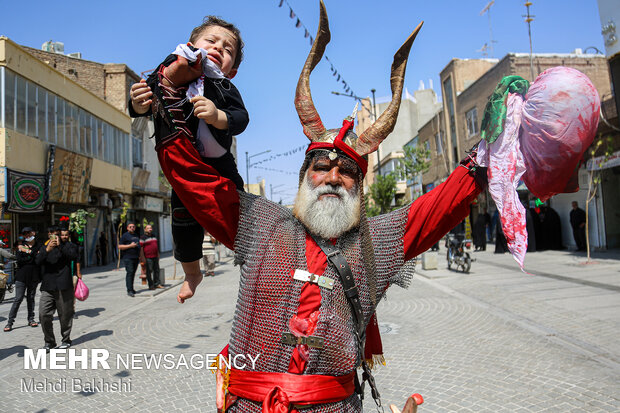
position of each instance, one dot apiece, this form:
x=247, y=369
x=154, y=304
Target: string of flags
x=301, y=148
x=276, y=170
x=299, y=24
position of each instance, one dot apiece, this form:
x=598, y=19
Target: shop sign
x=70, y=177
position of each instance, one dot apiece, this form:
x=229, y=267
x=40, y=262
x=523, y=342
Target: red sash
x=282, y=392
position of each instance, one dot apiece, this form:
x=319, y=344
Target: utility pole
x=247, y=164
x=487, y=10
x=529, y=18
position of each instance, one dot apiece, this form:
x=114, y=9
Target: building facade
x=66, y=136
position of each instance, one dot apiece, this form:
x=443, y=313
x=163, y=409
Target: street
x=494, y=340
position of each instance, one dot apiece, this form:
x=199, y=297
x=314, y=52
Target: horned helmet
x=343, y=139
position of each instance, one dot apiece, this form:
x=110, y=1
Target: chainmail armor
x=270, y=245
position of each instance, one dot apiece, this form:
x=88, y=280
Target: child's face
x=221, y=47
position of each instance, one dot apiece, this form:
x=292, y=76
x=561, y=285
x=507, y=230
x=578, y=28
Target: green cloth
x=495, y=111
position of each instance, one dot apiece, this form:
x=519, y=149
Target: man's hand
x=141, y=97
x=189, y=287
x=52, y=244
x=133, y=245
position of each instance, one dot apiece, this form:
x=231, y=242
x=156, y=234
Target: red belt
x=282, y=392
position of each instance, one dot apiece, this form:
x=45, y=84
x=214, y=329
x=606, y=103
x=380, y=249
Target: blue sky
x=365, y=36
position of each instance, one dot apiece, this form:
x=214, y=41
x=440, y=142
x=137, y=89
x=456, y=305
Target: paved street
x=494, y=340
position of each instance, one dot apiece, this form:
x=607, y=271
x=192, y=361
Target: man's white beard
x=329, y=217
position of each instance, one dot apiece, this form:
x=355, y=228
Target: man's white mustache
x=331, y=190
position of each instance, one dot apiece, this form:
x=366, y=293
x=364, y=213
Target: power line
x=299, y=24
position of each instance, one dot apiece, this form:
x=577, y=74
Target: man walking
x=55, y=257
x=578, y=223
x=130, y=254
x=26, y=277
x=150, y=247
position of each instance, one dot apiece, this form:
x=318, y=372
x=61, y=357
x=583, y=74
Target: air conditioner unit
x=77, y=55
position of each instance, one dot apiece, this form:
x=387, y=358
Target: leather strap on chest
x=351, y=292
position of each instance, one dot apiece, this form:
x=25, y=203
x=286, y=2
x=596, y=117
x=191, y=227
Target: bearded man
x=311, y=278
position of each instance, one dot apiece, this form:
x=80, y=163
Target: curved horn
x=370, y=139
x=308, y=115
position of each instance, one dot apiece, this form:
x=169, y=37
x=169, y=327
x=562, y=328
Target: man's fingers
x=394, y=409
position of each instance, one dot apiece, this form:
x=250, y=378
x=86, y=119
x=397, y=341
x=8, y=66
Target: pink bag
x=81, y=290
x=560, y=117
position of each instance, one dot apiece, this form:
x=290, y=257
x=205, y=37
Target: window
x=41, y=117
x=100, y=140
x=31, y=107
x=94, y=130
x=20, y=124
x=137, y=151
x=9, y=99
x=438, y=144
x=472, y=122
x=73, y=134
x=85, y=133
x=60, y=121
x=51, y=118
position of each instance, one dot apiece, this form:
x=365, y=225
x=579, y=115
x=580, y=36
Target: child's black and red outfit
x=172, y=115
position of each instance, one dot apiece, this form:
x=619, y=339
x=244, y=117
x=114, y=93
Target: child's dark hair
x=216, y=21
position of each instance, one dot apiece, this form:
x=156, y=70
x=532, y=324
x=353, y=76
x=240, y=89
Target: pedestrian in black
x=57, y=292
x=26, y=277
x=103, y=246
x=130, y=254
x=578, y=223
x=480, y=230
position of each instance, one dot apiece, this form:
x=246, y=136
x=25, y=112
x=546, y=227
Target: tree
x=415, y=161
x=77, y=222
x=382, y=192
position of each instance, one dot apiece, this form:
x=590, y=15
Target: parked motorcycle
x=458, y=254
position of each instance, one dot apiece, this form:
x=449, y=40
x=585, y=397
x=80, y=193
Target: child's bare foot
x=193, y=277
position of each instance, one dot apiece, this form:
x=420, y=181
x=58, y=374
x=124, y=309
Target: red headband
x=339, y=144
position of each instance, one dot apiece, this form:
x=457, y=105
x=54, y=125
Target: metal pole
x=374, y=115
x=247, y=169
x=529, y=18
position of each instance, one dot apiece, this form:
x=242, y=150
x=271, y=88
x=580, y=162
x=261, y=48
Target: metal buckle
x=320, y=280
x=310, y=341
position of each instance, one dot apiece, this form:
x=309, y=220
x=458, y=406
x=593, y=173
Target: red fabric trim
x=373, y=345
x=211, y=199
x=280, y=391
x=435, y=213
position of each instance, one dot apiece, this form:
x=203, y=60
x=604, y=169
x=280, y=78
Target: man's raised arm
x=435, y=213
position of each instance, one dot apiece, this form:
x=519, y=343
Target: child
x=196, y=78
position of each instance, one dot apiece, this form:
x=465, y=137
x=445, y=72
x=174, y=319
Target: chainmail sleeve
x=387, y=232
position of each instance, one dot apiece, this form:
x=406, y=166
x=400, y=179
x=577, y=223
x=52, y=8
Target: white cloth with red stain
x=543, y=141
x=505, y=164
